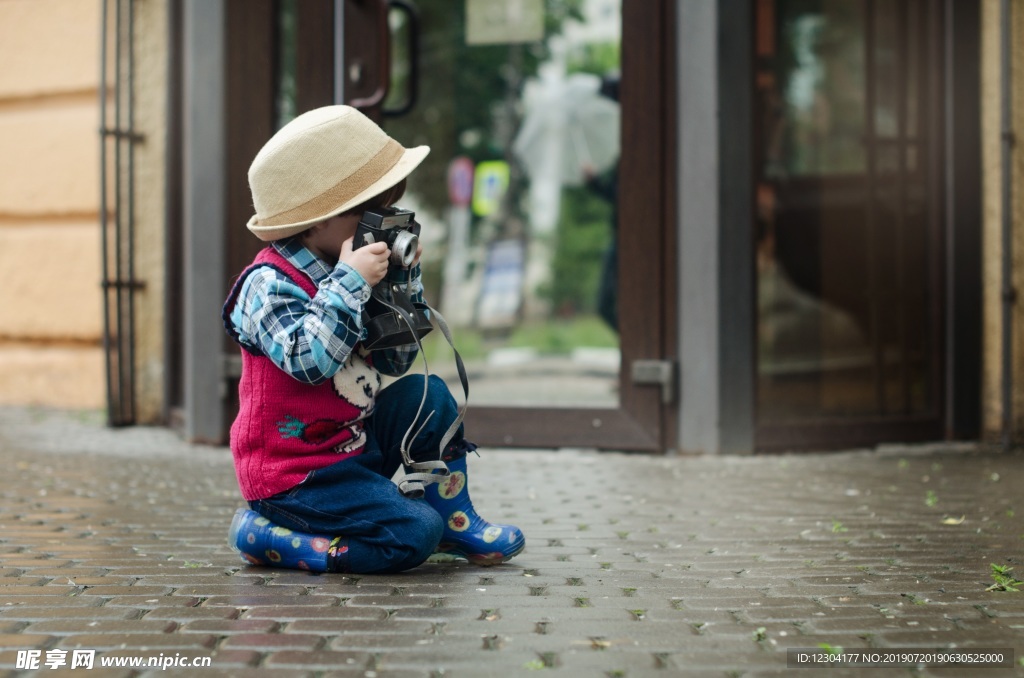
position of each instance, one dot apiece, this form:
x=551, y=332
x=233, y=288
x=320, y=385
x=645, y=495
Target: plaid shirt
x=310, y=339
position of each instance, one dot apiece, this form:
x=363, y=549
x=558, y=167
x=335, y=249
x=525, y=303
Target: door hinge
x=657, y=373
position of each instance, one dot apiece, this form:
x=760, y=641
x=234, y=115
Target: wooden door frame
x=714, y=251
x=646, y=259
x=244, y=59
x=954, y=84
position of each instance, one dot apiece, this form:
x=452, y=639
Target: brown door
x=544, y=201
x=850, y=222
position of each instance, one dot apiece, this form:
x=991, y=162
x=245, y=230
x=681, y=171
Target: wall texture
x=50, y=318
x=151, y=59
x=50, y=259
x=993, y=216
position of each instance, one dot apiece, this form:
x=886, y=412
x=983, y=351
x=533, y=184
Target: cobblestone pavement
x=114, y=541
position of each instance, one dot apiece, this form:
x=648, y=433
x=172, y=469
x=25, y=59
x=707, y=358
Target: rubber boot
x=466, y=534
x=260, y=542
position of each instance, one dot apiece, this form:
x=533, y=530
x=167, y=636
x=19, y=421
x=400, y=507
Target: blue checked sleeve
x=308, y=338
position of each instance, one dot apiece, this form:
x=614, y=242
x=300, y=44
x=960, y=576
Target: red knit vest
x=285, y=428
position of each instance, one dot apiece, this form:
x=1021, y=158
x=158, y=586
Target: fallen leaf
x=953, y=521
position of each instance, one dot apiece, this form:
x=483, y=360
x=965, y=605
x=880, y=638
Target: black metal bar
x=104, y=29
x=123, y=284
x=932, y=158
x=962, y=190
x=902, y=94
x=117, y=407
x=173, y=369
x=121, y=134
x=949, y=231
x=871, y=258
x=130, y=216
x=117, y=139
x=339, y=51
x=1009, y=296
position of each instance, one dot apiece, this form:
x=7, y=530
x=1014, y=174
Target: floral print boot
x=261, y=542
x=466, y=534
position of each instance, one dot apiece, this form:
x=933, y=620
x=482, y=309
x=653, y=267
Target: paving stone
x=107, y=580
x=145, y=641
x=67, y=600
x=323, y=659
x=644, y=565
x=113, y=627
x=224, y=627
x=27, y=613
x=116, y=590
x=24, y=640
x=60, y=572
x=284, y=611
x=261, y=600
x=12, y=592
x=8, y=581
x=233, y=590
x=224, y=661
x=274, y=641
x=148, y=603
x=418, y=672
x=383, y=626
x=185, y=614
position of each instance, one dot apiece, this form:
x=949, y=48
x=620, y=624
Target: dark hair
x=384, y=199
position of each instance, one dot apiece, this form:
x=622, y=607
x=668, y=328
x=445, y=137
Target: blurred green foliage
x=583, y=236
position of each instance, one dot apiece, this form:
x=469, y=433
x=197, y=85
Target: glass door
x=519, y=102
x=546, y=238
x=849, y=251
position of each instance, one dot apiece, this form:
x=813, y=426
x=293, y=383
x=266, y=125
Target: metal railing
x=117, y=208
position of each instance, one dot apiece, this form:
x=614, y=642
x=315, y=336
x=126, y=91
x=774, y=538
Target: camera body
x=391, y=317
x=392, y=225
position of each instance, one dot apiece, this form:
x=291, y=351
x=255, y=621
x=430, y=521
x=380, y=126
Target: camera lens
x=403, y=251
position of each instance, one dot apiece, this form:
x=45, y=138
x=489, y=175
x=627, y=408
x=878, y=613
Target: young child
x=317, y=440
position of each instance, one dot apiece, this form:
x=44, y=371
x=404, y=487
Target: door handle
x=383, y=58
x=412, y=15
x=380, y=92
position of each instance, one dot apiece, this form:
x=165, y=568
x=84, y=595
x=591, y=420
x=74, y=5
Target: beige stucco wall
x=50, y=319
x=150, y=120
x=993, y=217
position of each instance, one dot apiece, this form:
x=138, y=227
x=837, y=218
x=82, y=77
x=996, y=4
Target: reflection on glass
x=517, y=198
x=820, y=71
x=284, y=86
x=845, y=322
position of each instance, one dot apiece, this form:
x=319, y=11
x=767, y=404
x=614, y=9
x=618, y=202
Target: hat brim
x=410, y=160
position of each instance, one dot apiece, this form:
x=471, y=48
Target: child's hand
x=370, y=260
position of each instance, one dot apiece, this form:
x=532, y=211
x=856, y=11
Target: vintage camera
x=391, y=317
x=393, y=225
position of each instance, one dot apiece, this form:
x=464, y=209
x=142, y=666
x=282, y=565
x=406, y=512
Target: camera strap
x=426, y=472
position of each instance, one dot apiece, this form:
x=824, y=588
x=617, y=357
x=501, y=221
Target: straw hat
x=320, y=164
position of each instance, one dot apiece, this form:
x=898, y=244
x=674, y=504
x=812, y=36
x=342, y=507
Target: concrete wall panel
x=150, y=252
x=49, y=46
x=49, y=159
x=52, y=376
x=992, y=149
x=50, y=273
